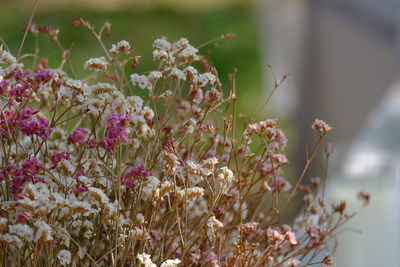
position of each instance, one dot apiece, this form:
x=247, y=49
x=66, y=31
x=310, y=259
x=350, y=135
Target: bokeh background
x=343, y=57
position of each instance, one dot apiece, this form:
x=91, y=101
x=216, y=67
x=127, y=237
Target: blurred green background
x=141, y=24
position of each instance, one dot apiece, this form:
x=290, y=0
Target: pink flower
x=8, y=122
x=279, y=184
x=291, y=237
x=22, y=216
x=19, y=92
x=44, y=76
x=58, y=156
x=293, y=263
x=93, y=143
x=32, y=166
x=280, y=138
x=77, y=136
x=28, y=172
x=81, y=188
x=275, y=237
x=41, y=127
x=27, y=113
x=116, y=130
x=137, y=172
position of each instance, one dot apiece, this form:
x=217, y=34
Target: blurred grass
x=140, y=27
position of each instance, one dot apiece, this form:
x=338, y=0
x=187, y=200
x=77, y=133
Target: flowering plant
x=94, y=175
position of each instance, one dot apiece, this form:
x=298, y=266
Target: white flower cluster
x=122, y=47
x=145, y=259
x=167, y=52
x=97, y=64
x=64, y=256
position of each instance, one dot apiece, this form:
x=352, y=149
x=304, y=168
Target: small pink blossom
x=22, y=216
x=81, y=188
x=58, y=156
x=116, y=130
x=77, y=136
x=291, y=237
x=137, y=172
x=93, y=143
x=40, y=128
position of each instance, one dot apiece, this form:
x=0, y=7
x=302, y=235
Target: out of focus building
x=342, y=54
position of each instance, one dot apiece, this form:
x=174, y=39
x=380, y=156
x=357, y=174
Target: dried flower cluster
x=94, y=175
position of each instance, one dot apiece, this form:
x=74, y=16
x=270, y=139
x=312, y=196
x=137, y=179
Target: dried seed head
x=339, y=207
x=315, y=181
x=80, y=21
x=321, y=126
x=107, y=29
x=365, y=197
x=328, y=261
x=228, y=36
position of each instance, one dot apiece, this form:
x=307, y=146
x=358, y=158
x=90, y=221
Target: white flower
x=141, y=80
x=102, y=89
x=321, y=126
x=146, y=132
x=94, y=106
x=150, y=187
x=189, y=54
x=226, y=176
x=171, y=263
x=64, y=256
x=205, y=78
x=146, y=260
x=77, y=85
x=180, y=44
x=189, y=126
x=190, y=193
x=11, y=239
x=210, y=162
x=97, y=64
x=214, y=224
x=22, y=230
x=121, y=47
x=99, y=195
x=154, y=76
x=138, y=233
x=177, y=73
x=81, y=207
x=43, y=232
x=293, y=263
x=193, y=167
x=140, y=218
x=162, y=44
x=161, y=55
x=6, y=57
x=166, y=94
x=63, y=95
x=170, y=160
x=190, y=72
x=147, y=112
x=136, y=102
